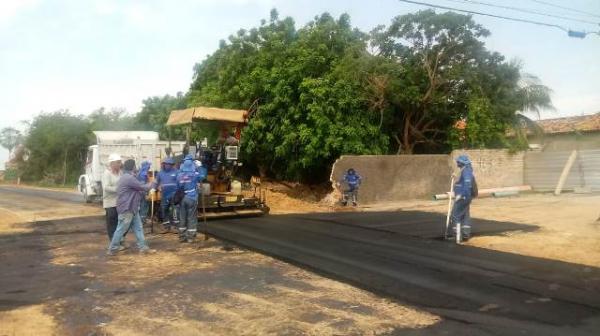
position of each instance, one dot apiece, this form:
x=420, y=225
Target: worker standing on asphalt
x=187, y=180
x=110, y=179
x=463, y=193
x=167, y=182
x=129, y=194
x=353, y=180
x=143, y=177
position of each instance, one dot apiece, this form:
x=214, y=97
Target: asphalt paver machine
x=222, y=188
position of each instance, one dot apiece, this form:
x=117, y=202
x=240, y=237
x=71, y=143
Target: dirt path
x=57, y=281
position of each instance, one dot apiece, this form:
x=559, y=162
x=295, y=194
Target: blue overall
x=167, y=181
x=353, y=181
x=188, y=180
x=142, y=176
x=461, y=209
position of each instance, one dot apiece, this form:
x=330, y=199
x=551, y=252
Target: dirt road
x=56, y=271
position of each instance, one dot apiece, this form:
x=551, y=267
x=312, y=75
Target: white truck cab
x=137, y=145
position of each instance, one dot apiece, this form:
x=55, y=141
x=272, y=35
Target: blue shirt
x=167, y=180
x=464, y=185
x=353, y=180
x=188, y=181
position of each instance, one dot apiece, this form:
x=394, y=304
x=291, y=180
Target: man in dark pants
x=167, y=182
x=463, y=192
x=187, y=180
x=110, y=179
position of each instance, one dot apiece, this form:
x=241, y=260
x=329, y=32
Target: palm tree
x=533, y=97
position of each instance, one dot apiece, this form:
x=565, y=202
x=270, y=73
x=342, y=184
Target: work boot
x=147, y=250
x=344, y=203
x=182, y=239
x=354, y=204
x=191, y=239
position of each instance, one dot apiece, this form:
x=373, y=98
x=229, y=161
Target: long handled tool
x=450, y=194
x=204, y=217
x=152, y=212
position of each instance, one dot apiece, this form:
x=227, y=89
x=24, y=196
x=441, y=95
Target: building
x=568, y=133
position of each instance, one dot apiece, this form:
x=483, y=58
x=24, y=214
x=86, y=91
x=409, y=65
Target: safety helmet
x=114, y=157
x=168, y=160
x=463, y=159
x=351, y=171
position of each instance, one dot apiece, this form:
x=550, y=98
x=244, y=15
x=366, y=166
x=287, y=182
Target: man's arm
x=136, y=185
x=106, y=182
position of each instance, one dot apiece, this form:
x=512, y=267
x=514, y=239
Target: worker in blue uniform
x=463, y=195
x=167, y=183
x=187, y=180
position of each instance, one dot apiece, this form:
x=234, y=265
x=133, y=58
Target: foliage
x=310, y=112
x=155, y=113
x=116, y=119
x=56, y=139
x=10, y=137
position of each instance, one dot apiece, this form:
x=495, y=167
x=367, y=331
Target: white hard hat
x=198, y=163
x=114, y=157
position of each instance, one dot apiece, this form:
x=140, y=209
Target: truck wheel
x=86, y=198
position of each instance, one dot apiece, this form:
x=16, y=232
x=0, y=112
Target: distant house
x=569, y=133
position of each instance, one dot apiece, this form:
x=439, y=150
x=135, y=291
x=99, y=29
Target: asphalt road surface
x=399, y=255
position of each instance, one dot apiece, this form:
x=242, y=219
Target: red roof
x=587, y=123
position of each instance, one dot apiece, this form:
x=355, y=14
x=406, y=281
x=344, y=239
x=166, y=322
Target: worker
x=110, y=179
x=167, y=183
x=129, y=194
x=353, y=180
x=187, y=180
x=143, y=177
x=463, y=194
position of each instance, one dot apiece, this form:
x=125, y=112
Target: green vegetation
x=327, y=89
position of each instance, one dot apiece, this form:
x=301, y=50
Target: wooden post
x=65, y=167
x=565, y=173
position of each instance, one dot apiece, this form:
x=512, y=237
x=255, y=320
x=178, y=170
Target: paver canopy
x=187, y=116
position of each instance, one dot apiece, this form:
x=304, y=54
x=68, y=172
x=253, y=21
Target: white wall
x=3, y=157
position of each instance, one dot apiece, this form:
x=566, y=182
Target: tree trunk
x=65, y=167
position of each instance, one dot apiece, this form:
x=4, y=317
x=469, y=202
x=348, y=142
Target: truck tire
x=86, y=198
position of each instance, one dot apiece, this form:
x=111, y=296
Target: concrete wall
x=397, y=177
x=495, y=168
x=568, y=141
x=389, y=178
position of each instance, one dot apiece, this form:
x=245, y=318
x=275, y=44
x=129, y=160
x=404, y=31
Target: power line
x=566, y=8
x=487, y=14
x=524, y=10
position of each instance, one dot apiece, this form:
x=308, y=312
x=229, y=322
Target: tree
x=117, y=119
x=10, y=137
x=309, y=112
x=155, y=113
x=57, y=144
x=441, y=74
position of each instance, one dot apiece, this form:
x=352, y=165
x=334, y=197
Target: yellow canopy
x=180, y=117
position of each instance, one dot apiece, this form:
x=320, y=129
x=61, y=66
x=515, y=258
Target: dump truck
x=137, y=145
x=222, y=194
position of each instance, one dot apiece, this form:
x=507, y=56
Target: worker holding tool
x=187, y=180
x=129, y=194
x=353, y=180
x=463, y=194
x=110, y=178
x=167, y=183
x=143, y=177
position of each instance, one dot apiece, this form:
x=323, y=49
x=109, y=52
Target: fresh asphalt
x=400, y=255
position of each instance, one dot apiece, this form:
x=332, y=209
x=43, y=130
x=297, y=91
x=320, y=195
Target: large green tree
x=155, y=113
x=309, y=112
x=57, y=144
x=443, y=74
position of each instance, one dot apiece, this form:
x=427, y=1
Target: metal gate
x=543, y=170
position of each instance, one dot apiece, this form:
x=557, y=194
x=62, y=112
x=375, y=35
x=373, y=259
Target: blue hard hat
x=463, y=159
x=188, y=166
x=169, y=160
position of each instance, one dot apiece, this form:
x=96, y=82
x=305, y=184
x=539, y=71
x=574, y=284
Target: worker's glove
x=152, y=191
x=458, y=198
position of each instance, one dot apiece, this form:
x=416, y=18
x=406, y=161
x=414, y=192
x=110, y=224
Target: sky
x=82, y=55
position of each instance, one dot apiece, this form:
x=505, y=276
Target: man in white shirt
x=110, y=179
